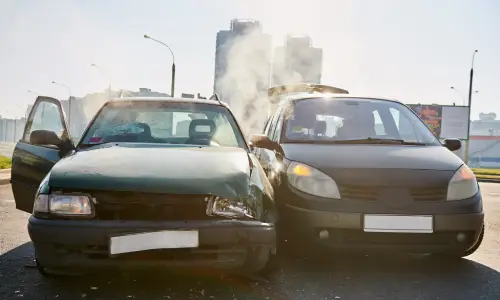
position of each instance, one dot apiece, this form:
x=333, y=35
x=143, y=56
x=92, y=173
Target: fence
x=11, y=130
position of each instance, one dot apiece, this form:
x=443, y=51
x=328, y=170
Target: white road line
x=10, y=201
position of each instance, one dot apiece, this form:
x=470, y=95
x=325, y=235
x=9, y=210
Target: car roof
x=307, y=96
x=168, y=99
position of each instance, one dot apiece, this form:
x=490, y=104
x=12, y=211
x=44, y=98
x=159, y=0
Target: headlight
x=463, y=184
x=222, y=207
x=63, y=205
x=312, y=181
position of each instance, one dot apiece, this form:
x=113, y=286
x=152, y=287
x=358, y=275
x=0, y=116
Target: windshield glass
x=163, y=122
x=341, y=119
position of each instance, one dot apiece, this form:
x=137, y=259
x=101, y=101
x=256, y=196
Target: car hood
x=220, y=171
x=374, y=156
x=380, y=165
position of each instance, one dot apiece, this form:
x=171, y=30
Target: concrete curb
x=489, y=180
x=5, y=181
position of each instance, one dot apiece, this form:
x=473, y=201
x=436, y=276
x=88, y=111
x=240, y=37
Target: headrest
x=201, y=128
x=320, y=127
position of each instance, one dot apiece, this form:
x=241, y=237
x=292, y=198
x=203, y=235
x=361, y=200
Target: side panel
x=31, y=163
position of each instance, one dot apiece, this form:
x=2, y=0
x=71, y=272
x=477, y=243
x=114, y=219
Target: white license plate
x=398, y=223
x=172, y=239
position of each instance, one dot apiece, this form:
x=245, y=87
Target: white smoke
x=249, y=66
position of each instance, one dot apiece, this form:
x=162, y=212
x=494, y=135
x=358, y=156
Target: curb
x=5, y=181
x=489, y=180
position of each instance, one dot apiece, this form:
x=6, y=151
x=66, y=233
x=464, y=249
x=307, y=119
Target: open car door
x=45, y=140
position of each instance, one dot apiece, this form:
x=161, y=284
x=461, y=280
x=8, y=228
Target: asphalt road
x=372, y=276
x=6, y=149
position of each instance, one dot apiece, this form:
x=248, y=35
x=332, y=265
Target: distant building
x=297, y=61
x=243, y=69
x=242, y=55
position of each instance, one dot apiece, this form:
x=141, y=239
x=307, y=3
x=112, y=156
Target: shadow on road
x=338, y=276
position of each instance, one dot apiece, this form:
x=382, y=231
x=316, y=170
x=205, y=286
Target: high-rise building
x=242, y=57
x=297, y=61
x=242, y=71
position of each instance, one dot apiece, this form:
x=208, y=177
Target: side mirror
x=263, y=141
x=453, y=144
x=45, y=137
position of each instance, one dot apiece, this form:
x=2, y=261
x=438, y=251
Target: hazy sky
x=410, y=50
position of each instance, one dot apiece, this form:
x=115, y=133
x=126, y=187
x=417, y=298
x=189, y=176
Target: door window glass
x=46, y=116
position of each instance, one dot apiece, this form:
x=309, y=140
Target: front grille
x=358, y=192
x=429, y=193
x=149, y=206
x=371, y=193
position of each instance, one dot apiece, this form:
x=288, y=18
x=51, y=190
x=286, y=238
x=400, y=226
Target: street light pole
x=458, y=91
x=106, y=73
x=469, y=105
x=69, y=103
x=172, y=84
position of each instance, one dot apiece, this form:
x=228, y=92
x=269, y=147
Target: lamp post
x=460, y=93
x=469, y=105
x=172, y=85
x=106, y=73
x=69, y=102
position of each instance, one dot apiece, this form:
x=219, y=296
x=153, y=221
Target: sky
x=411, y=50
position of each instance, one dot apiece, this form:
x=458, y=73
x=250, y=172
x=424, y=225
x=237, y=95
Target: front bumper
x=307, y=216
x=85, y=243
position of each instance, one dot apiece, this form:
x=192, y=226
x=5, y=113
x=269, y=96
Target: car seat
x=197, y=137
x=320, y=129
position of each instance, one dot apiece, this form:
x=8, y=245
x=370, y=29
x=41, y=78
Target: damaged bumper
x=86, y=244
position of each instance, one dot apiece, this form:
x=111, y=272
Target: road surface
x=6, y=149
x=324, y=277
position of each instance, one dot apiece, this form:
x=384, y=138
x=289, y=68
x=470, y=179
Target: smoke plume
x=247, y=77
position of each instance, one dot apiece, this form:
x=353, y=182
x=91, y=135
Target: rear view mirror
x=45, y=137
x=453, y=144
x=263, y=141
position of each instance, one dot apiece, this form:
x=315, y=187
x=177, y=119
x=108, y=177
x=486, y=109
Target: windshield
x=341, y=119
x=163, y=122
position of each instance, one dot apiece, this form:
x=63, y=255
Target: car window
x=404, y=125
x=333, y=119
x=272, y=124
x=277, y=127
x=379, y=126
x=45, y=116
x=163, y=122
x=268, y=124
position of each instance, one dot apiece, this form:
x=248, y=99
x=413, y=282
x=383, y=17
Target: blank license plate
x=154, y=240
x=397, y=223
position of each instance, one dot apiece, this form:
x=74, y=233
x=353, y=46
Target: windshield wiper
x=92, y=145
x=378, y=141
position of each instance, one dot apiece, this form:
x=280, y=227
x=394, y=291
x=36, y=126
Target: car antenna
x=216, y=98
